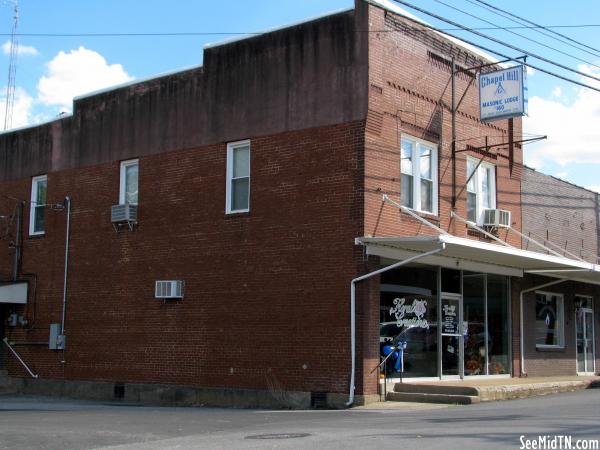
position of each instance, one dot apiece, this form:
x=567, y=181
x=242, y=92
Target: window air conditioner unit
x=169, y=289
x=123, y=213
x=497, y=218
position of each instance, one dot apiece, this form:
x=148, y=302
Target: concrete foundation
x=175, y=395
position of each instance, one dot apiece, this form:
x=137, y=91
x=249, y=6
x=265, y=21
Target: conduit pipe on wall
x=353, y=309
x=67, y=240
x=521, y=319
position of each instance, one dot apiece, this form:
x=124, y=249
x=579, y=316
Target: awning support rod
x=533, y=241
x=404, y=209
x=522, y=321
x=14, y=352
x=481, y=230
x=353, y=309
x=566, y=252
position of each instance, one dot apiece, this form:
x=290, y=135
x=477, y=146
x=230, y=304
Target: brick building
x=266, y=182
x=565, y=218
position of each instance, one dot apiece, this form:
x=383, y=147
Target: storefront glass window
x=474, y=324
x=408, y=313
x=549, y=320
x=498, y=325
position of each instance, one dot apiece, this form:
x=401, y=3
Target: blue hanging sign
x=502, y=94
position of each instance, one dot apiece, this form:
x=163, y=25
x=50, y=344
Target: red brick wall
x=410, y=93
x=561, y=213
x=553, y=362
x=266, y=295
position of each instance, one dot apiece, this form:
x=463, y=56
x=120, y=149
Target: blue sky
x=51, y=70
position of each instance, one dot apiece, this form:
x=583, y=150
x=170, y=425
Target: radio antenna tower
x=12, y=70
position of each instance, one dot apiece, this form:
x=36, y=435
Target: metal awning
x=472, y=255
x=15, y=293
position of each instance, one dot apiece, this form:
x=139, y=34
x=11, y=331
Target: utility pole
x=12, y=70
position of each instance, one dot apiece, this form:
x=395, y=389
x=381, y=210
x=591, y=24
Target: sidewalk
x=475, y=390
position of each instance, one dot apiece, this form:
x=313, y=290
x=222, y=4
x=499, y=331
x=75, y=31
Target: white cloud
x=593, y=188
x=21, y=114
x=562, y=175
x=76, y=73
x=21, y=49
x=530, y=71
x=573, y=129
x=557, y=91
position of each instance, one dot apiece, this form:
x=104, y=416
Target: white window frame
x=417, y=173
x=32, y=210
x=122, y=181
x=229, y=186
x=478, y=179
x=561, y=313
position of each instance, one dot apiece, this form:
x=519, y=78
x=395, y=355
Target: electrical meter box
x=56, y=341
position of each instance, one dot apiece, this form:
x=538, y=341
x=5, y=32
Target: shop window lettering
x=401, y=309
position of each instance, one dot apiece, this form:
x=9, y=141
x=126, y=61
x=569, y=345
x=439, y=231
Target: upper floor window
x=418, y=167
x=37, y=214
x=238, y=177
x=481, y=189
x=549, y=320
x=128, y=192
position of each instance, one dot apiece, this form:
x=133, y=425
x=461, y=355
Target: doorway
x=584, y=329
x=451, y=335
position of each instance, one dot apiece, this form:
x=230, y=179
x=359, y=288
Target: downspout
x=67, y=240
x=521, y=320
x=353, y=310
x=18, y=241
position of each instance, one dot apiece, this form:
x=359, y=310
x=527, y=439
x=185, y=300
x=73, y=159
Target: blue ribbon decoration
x=398, y=354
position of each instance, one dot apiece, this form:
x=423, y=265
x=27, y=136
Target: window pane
x=131, y=184
x=425, y=162
x=471, y=185
x=472, y=206
x=240, y=191
x=38, y=208
x=38, y=220
x=406, y=152
x=426, y=195
x=42, y=187
x=406, y=193
x=547, y=320
x=241, y=162
x=486, y=188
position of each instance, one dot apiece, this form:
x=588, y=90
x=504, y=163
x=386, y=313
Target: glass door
x=451, y=335
x=585, y=340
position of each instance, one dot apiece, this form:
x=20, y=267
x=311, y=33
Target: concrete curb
x=466, y=395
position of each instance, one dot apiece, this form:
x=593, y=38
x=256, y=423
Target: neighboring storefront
x=448, y=320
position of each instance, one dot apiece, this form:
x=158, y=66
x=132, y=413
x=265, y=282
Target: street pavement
x=46, y=423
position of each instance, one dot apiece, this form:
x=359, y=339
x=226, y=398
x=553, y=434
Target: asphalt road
x=42, y=423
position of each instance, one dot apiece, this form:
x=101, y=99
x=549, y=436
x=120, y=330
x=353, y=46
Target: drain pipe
x=67, y=240
x=353, y=310
x=521, y=319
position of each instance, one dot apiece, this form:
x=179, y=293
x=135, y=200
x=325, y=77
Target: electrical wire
x=246, y=33
x=518, y=34
x=495, y=8
x=495, y=52
x=497, y=41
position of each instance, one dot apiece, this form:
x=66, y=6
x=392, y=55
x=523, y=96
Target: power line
x=498, y=41
x=534, y=28
x=518, y=34
x=245, y=33
x=537, y=25
x=497, y=53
